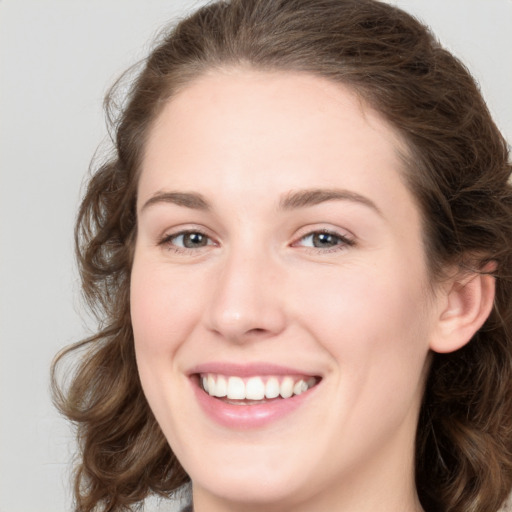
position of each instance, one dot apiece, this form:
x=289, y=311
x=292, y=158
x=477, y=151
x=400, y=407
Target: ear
x=466, y=303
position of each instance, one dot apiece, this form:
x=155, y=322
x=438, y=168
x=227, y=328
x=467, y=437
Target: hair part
x=457, y=169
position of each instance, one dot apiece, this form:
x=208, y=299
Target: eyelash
x=342, y=241
x=169, y=241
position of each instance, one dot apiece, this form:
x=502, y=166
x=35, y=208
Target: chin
x=253, y=476
x=259, y=489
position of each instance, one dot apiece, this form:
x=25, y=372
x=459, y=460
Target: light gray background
x=57, y=59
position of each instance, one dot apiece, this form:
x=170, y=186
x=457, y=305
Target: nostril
x=256, y=330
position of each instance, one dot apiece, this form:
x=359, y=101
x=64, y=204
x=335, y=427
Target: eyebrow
x=312, y=197
x=191, y=200
x=291, y=201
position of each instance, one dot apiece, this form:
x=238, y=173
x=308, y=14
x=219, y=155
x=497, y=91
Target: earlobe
x=467, y=304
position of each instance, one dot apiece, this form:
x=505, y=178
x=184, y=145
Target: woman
x=301, y=253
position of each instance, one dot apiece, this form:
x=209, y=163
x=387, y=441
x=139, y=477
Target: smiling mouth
x=254, y=390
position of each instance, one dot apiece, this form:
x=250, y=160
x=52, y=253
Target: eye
x=326, y=240
x=187, y=240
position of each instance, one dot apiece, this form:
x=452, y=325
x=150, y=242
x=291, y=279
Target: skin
x=360, y=313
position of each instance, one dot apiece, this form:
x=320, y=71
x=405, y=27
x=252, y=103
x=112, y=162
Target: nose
x=246, y=303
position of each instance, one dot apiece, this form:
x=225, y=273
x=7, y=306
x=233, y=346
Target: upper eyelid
x=183, y=233
x=177, y=231
x=167, y=239
x=167, y=243
x=309, y=230
x=306, y=231
x=344, y=240
x=325, y=232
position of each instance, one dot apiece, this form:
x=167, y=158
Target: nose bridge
x=245, y=301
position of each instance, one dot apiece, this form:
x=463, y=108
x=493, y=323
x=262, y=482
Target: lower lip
x=243, y=417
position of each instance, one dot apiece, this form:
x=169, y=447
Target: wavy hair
x=457, y=168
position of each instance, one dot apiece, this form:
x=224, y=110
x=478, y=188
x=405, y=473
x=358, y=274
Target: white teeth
x=255, y=388
x=286, y=387
x=300, y=387
x=236, y=388
x=221, y=387
x=272, y=388
x=211, y=385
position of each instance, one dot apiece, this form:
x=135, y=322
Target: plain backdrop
x=57, y=59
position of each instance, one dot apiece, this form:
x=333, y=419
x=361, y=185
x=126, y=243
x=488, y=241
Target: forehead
x=279, y=107
x=254, y=132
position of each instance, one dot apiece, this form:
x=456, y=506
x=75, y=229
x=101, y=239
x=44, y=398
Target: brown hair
x=458, y=170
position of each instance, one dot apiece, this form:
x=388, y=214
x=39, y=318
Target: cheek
x=162, y=319
x=162, y=308
x=374, y=322
x=375, y=328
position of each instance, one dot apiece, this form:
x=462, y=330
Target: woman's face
x=278, y=252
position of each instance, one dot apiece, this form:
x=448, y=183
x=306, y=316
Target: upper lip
x=248, y=370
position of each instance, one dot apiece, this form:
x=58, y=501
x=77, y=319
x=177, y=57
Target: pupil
x=324, y=239
x=192, y=240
